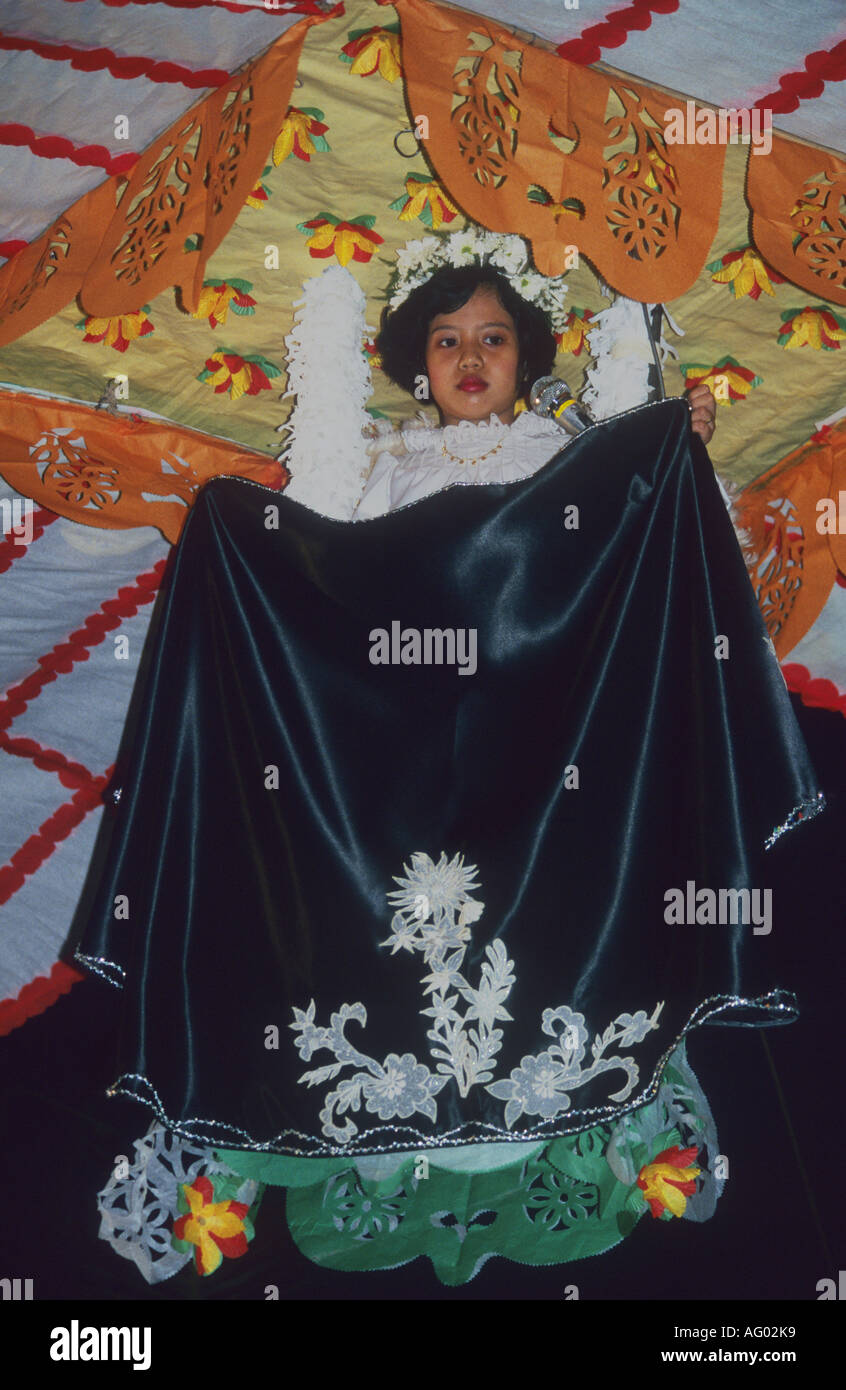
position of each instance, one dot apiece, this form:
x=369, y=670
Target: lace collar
x=474, y=436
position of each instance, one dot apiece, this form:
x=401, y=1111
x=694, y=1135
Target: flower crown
x=417, y=261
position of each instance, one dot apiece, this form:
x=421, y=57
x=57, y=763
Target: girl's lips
x=472, y=383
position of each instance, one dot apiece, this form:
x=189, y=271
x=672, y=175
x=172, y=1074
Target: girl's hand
x=703, y=411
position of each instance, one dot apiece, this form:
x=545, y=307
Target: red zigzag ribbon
x=614, y=30
x=123, y=66
x=64, y=655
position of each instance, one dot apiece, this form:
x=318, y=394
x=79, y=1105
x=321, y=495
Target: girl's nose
x=470, y=356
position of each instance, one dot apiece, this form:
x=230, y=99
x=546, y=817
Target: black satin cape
x=596, y=649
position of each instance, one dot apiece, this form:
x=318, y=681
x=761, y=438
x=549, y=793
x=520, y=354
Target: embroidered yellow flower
x=240, y=376
x=813, y=327
x=426, y=199
x=214, y=1228
x=258, y=196
x=729, y=382
x=373, y=50
x=119, y=331
x=301, y=134
x=576, y=328
x=347, y=241
x=215, y=300
x=746, y=273
x=669, y=1180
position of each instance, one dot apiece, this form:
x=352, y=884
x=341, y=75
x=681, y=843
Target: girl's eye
x=495, y=338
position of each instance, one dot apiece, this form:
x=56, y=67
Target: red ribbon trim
x=72, y=775
x=37, y=996
x=64, y=655
x=826, y=65
x=11, y=548
x=33, y=852
x=614, y=30
x=127, y=68
x=58, y=147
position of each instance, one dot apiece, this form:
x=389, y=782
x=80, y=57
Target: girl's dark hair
x=402, y=339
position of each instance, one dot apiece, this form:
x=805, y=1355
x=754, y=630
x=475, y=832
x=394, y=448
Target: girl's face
x=472, y=359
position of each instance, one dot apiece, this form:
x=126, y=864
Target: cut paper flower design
x=213, y=1227
x=425, y=198
x=745, y=272
x=375, y=50
x=433, y=913
x=347, y=241
x=669, y=1180
x=119, y=331
x=218, y=297
x=815, y=327
x=141, y=1201
x=302, y=135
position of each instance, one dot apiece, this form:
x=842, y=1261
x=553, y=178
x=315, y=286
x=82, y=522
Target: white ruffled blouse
x=422, y=458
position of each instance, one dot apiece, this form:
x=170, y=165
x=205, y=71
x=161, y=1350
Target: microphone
x=552, y=398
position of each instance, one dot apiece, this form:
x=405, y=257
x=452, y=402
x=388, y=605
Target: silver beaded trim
x=780, y=1005
x=101, y=966
x=806, y=809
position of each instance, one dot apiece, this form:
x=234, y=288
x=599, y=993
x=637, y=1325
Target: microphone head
x=546, y=393
x=551, y=398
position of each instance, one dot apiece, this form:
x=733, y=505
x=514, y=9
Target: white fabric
x=329, y=419
x=57, y=99
x=493, y=453
x=47, y=593
x=208, y=39
x=619, y=377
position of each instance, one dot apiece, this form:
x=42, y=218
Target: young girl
x=400, y=942
x=471, y=342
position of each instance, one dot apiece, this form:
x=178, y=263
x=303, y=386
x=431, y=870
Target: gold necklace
x=456, y=458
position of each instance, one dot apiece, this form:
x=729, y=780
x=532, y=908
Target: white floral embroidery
x=433, y=912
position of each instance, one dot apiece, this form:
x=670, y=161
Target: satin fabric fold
x=626, y=732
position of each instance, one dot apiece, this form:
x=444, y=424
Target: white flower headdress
x=418, y=260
